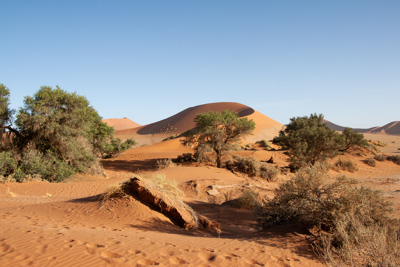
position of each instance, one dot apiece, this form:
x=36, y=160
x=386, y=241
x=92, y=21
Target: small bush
x=8, y=164
x=346, y=165
x=395, y=159
x=370, y=162
x=248, y=200
x=354, y=223
x=268, y=172
x=185, y=158
x=254, y=167
x=380, y=157
x=164, y=163
x=267, y=145
x=249, y=165
x=47, y=166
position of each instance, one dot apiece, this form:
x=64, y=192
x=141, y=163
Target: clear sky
x=148, y=60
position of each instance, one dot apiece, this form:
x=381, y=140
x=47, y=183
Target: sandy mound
x=266, y=128
x=121, y=124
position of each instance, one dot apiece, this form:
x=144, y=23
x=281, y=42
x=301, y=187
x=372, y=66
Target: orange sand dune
x=266, y=128
x=392, y=128
x=121, y=124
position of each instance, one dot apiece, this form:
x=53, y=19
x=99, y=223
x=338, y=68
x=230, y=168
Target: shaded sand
x=44, y=224
x=121, y=124
x=266, y=128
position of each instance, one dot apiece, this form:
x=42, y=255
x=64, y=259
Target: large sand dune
x=266, y=128
x=121, y=124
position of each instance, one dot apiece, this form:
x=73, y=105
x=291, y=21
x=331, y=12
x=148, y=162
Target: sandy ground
x=63, y=224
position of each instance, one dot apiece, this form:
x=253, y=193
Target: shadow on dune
x=237, y=224
x=130, y=165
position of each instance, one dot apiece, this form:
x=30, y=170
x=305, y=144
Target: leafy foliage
x=351, y=138
x=7, y=163
x=218, y=131
x=58, y=134
x=308, y=140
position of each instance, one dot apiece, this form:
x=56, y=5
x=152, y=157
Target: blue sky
x=147, y=60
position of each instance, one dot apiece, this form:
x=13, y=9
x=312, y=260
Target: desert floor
x=63, y=224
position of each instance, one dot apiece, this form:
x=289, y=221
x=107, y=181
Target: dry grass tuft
x=164, y=163
x=345, y=165
x=115, y=191
x=10, y=194
x=254, y=167
x=248, y=200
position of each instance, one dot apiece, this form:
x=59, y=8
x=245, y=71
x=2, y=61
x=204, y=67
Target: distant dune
x=266, y=128
x=121, y=124
x=392, y=128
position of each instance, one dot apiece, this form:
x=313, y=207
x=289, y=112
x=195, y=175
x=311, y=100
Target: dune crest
x=392, y=128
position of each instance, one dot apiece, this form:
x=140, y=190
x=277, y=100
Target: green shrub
x=8, y=164
x=346, y=165
x=47, y=166
x=351, y=138
x=370, y=162
x=348, y=218
x=308, y=140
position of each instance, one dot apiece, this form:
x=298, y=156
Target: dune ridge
x=392, y=128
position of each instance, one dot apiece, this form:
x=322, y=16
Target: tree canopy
x=57, y=134
x=309, y=140
x=217, y=131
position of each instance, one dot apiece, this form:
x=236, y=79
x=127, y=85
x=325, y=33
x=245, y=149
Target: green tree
x=6, y=115
x=351, y=138
x=57, y=133
x=218, y=131
x=308, y=140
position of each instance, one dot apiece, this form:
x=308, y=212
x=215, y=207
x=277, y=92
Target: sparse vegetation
x=254, y=167
x=380, y=157
x=248, y=200
x=218, y=131
x=266, y=144
x=346, y=165
x=185, y=158
x=164, y=163
x=354, y=223
x=395, y=159
x=370, y=162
